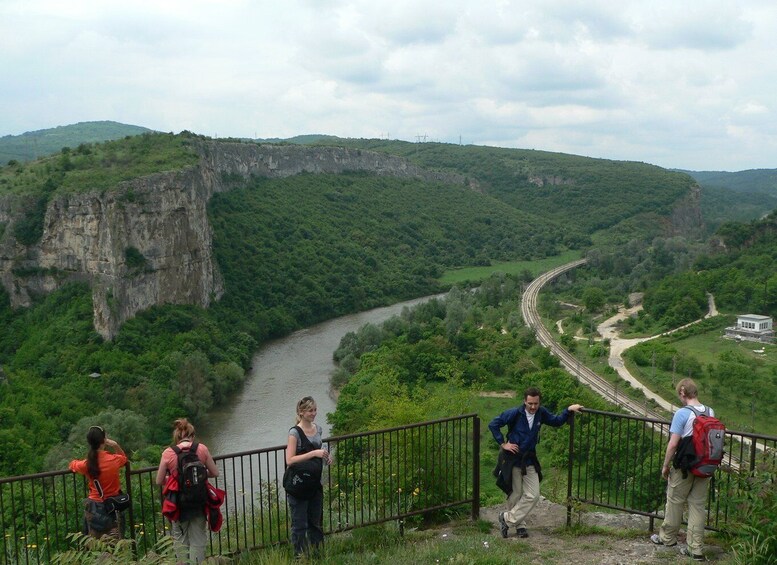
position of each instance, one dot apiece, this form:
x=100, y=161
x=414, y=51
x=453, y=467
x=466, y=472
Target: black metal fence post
x=377, y=476
x=570, y=465
x=475, y=468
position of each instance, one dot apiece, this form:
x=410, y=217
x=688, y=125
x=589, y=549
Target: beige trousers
x=191, y=538
x=691, y=490
x=523, y=499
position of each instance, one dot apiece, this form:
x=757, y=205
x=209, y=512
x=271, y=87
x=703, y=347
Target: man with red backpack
x=694, y=451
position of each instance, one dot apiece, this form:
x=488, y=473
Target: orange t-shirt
x=109, y=464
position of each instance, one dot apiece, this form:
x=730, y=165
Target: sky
x=689, y=85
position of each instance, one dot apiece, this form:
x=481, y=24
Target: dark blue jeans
x=306, y=522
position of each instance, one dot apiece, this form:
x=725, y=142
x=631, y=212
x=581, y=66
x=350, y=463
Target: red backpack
x=702, y=452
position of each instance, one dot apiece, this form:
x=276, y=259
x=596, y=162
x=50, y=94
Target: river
x=283, y=371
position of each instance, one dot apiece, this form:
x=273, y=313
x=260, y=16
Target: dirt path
x=607, y=330
x=546, y=537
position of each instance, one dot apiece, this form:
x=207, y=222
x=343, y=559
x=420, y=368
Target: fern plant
x=89, y=550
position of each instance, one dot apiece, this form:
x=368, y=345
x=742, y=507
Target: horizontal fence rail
x=375, y=477
x=615, y=462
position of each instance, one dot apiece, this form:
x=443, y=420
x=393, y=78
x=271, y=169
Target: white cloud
x=681, y=85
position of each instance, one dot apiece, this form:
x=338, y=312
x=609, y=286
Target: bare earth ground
x=550, y=545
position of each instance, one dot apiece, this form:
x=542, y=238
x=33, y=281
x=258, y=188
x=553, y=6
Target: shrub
x=89, y=550
x=755, y=500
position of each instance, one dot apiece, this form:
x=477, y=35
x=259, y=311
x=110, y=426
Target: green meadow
x=535, y=267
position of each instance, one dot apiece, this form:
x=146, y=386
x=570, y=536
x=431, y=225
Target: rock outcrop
x=148, y=241
x=686, y=217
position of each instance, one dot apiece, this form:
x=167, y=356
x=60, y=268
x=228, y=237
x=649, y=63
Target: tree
x=128, y=428
x=593, y=298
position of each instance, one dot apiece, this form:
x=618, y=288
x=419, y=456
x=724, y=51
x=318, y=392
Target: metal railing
x=376, y=477
x=387, y=475
x=615, y=462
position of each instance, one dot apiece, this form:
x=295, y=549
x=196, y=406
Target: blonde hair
x=182, y=429
x=687, y=388
x=303, y=405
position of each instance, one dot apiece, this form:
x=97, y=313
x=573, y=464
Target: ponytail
x=96, y=438
x=304, y=405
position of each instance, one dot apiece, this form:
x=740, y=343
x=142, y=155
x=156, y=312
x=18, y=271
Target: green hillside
x=751, y=180
x=580, y=192
x=721, y=205
x=736, y=197
x=33, y=144
x=741, y=273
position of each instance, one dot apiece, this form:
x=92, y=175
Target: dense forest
x=737, y=265
x=740, y=271
x=586, y=195
x=740, y=196
x=429, y=361
x=322, y=245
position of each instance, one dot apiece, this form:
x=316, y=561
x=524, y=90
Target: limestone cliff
x=686, y=219
x=148, y=241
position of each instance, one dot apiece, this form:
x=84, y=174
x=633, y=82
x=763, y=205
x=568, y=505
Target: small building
x=752, y=327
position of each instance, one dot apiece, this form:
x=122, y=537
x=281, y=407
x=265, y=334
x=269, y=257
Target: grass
x=464, y=541
x=739, y=410
x=98, y=166
x=535, y=267
x=460, y=541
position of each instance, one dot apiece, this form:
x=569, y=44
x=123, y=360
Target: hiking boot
x=522, y=532
x=656, y=539
x=503, y=525
x=696, y=557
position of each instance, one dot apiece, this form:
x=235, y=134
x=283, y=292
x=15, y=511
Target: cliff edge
x=148, y=241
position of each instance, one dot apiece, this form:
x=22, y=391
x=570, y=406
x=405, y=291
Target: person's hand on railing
x=575, y=407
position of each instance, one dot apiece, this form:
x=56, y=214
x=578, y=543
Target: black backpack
x=192, y=481
x=303, y=480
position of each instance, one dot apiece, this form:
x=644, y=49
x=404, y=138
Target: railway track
x=582, y=373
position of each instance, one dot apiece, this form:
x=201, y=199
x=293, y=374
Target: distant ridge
x=298, y=139
x=752, y=180
x=33, y=144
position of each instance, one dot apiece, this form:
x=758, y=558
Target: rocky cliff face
x=148, y=241
x=686, y=217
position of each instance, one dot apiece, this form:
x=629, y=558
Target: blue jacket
x=518, y=431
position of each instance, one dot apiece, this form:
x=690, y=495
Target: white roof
x=753, y=317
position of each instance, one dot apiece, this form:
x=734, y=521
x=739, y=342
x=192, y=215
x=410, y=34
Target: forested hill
x=741, y=272
x=581, y=192
x=34, y=144
x=251, y=241
x=751, y=180
x=741, y=196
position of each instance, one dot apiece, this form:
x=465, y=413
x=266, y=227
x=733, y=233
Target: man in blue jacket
x=518, y=457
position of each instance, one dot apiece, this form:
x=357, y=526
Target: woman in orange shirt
x=102, y=470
